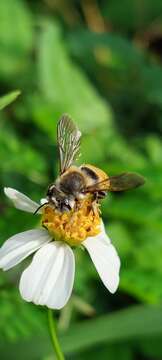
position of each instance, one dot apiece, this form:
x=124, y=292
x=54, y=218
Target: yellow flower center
x=74, y=226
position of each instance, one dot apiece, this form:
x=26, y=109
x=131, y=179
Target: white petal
x=49, y=278
x=43, y=201
x=21, y=201
x=105, y=259
x=19, y=246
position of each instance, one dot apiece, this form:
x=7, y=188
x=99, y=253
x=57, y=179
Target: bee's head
x=60, y=200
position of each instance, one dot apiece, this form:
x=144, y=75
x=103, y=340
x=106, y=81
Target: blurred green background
x=101, y=62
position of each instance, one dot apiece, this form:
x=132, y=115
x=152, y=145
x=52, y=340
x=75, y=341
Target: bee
x=76, y=182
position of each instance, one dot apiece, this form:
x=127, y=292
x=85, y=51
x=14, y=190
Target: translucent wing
x=68, y=137
x=125, y=181
x=122, y=182
x=98, y=186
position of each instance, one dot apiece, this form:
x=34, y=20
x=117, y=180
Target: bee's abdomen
x=90, y=173
x=93, y=175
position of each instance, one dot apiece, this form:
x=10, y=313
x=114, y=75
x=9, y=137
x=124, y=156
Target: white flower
x=49, y=279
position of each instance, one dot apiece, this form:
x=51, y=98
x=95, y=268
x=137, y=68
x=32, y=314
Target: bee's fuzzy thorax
x=75, y=226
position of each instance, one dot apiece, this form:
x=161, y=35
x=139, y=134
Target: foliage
x=7, y=99
x=101, y=63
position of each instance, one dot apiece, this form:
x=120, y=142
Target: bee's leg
x=78, y=201
x=98, y=195
x=95, y=204
x=101, y=194
x=76, y=205
x=75, y=209
x=95, y=207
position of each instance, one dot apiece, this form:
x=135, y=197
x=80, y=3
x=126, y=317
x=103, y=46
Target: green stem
x=53, y=334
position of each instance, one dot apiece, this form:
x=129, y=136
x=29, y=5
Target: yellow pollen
x=74, y=226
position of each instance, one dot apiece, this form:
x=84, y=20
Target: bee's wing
x=103, y=185
x=125, y=181
x=68, y=137
x=122, y=182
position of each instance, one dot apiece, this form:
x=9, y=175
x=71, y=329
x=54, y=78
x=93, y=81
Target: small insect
x=76, y=182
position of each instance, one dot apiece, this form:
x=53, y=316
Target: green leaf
x=65, y=85
x=135, y=208
x=104, y=352
x=151, y=348
x=16, y=41
x=9, y=98
x=145, y=285
x=18, y=156
x=26, y=322
x=108, y=49
x=136, y=322
x=134, y=17
x=129, y=324
x=121, y=237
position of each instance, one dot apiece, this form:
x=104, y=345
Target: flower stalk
x=54, y=337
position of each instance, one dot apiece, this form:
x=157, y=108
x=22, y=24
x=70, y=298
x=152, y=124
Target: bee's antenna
x=39, y=207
